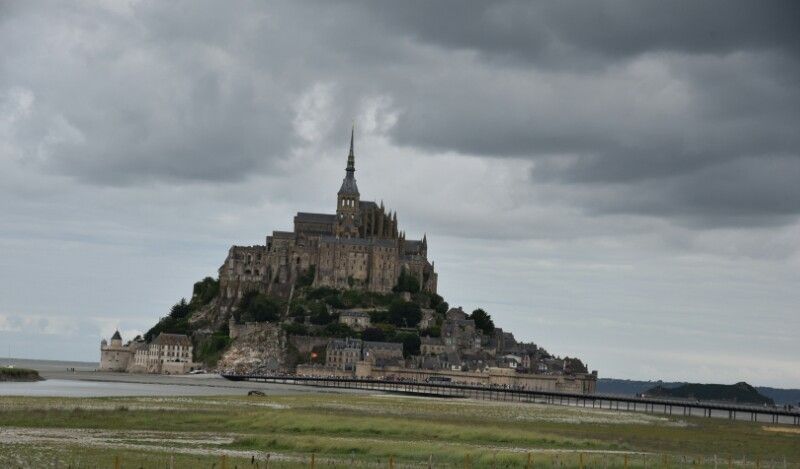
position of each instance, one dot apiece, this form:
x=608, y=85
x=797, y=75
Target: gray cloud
x=590, y=172
x=574, y=33
x=621, y=94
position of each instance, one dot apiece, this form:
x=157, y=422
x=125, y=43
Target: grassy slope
x=340, y=427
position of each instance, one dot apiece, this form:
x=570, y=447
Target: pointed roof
x=349, y=186
x=116, y=336
x=351, y=157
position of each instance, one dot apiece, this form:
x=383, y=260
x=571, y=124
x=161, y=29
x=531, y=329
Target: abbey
x=360, y=246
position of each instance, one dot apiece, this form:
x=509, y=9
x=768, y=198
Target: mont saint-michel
x=342, y=294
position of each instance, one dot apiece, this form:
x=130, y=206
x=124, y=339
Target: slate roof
x=430, y=340
x=116, y=336
x=349, y=186
x=354, y=314
x=347, y=343
x=283, y=234
x=172, y=339
x=315, y=217
x=413, y=246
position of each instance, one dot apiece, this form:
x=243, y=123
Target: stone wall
x=579, y=384
x=306, y=343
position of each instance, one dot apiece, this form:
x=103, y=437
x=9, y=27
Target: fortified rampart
x=578, y=383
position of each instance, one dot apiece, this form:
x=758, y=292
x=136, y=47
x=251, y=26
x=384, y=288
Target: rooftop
x=315, y=217
x=172, y=339
x=353, y=314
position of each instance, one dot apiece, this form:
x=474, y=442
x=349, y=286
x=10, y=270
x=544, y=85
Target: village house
x=354, y=319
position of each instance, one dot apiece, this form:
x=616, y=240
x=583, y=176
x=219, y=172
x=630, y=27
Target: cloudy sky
x=617, y=180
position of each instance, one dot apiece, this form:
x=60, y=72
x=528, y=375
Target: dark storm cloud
x=678, y=101
x=561, y=33
x=720, y=156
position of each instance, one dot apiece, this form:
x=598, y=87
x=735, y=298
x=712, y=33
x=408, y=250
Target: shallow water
x=77, y=388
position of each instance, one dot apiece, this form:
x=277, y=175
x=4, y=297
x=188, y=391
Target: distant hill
x=627, y=387
x=741, y=393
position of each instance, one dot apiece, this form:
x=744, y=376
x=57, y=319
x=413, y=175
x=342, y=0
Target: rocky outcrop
x=257, y=348
x=207, y=318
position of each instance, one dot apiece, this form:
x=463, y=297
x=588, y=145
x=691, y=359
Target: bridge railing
x=613, y=402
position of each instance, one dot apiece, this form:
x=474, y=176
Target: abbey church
x=360, y=246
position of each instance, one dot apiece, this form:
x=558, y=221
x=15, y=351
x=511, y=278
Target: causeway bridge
x=765, y=414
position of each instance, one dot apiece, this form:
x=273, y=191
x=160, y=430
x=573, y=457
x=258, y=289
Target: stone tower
x=347, y=203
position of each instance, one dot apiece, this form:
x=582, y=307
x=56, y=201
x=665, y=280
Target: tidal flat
x=370, y=430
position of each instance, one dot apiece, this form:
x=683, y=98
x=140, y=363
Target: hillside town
x=343, y=294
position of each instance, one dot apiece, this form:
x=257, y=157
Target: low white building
x=167, y=353
x=356, y=320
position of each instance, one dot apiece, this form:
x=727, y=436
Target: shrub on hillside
x=406, y=282
x=404, y=314
x=482, y=321
x=258, y=307
x=205, y=290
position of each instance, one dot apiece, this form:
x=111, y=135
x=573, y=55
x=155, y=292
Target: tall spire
x=349, y=186
x=351, y=158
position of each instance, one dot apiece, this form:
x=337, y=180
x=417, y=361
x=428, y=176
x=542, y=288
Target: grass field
x=370, y=431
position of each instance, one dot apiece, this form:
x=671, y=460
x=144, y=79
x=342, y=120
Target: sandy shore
x=209, y=384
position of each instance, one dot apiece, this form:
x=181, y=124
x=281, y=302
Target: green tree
x=335, y=301
x=352, y=298
x=337, y=329
x=411, y=343
x=373, y=334
x=205, y=290
x=404, y=314
x=180, y=310
x=482, y=321
x=319, y=314
x=406, y=282
x=258, y=307
x=176, y=322
x=295, y=328
x=321, y=292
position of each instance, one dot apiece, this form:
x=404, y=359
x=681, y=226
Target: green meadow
x=347, y=430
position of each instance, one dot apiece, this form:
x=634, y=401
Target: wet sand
x=64, y=383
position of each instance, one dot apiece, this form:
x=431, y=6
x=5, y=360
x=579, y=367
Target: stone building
x=431, y=346
x=343, y=354
x=428, y=319
x=114, y=356
x=356, y=320
x=459, y=334
x=167, y=353
x=360, y=246
x=383, y=353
